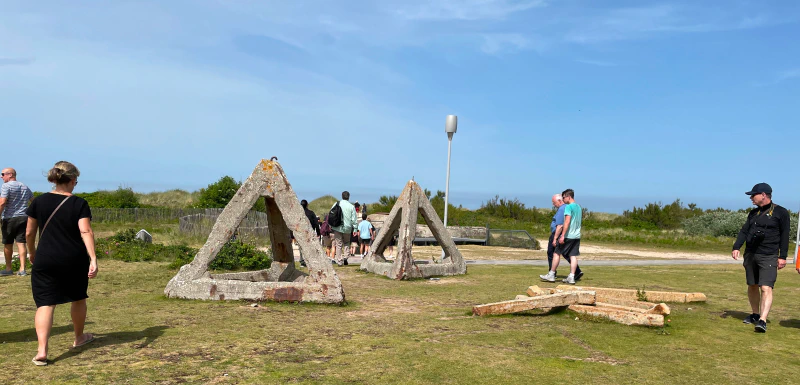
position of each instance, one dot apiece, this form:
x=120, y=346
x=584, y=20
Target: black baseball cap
x=760, y=188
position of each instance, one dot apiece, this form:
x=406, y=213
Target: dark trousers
x=550, y=250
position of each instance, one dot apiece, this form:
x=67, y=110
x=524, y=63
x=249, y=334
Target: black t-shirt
x=61, y=243
x=773, y=221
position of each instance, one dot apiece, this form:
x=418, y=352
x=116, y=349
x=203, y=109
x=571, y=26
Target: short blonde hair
x=63, y=172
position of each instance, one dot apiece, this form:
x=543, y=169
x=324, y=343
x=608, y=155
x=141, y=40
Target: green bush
x=219, y=193
x=121, y=198
x=715, y=224
x=125, y=247
x=721, y=223
x=661, y=216
x=234, y=255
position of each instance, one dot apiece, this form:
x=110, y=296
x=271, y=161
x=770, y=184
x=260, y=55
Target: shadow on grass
x=149, y=335
x=790, y=323
x=740, y=315
x=28, y=335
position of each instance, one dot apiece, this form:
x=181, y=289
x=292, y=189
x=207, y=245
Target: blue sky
x=626, y=102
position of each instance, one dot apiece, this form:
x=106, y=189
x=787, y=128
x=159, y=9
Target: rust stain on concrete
x=284, y=294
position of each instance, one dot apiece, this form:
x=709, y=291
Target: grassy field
x=416, y=332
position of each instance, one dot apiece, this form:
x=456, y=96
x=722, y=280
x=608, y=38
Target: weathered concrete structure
x=633, y=295
x=547, y=302
x=403, y=218
x=625, y=317
x=281, y=282
x=608, y=302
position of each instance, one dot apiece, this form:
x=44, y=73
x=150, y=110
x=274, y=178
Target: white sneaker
x=549, y=277
x=570, y=279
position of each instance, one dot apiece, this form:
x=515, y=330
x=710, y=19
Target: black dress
x=61, y=267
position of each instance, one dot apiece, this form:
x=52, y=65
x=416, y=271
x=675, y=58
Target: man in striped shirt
x=15, y=197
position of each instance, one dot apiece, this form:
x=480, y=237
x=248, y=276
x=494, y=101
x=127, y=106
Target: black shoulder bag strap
x=41, y=234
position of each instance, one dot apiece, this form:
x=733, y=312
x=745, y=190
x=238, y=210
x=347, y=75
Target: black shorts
x=365, y=241
x=13, y=229
x=570, y=248
x=760, y=269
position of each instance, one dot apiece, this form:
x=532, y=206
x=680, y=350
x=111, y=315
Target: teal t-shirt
x=575, y=212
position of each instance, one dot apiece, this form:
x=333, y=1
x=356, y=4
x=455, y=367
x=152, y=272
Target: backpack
x=335, y=216
x=325, y=228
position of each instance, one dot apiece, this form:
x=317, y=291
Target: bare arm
x=85, y=226
x=3, y=204
x=559, y=228
x=567, y=219
x=30, y=237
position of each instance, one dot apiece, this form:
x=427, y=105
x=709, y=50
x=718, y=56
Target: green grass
x=416, y=332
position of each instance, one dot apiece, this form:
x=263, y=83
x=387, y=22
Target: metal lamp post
x=450, y=126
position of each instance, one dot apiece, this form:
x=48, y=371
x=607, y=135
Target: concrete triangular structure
x=403, y=218
x=281, y=282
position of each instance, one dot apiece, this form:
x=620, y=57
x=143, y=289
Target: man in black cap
x=766, y=233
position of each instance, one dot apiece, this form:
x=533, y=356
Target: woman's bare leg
x=78, y=313
x=43, y=322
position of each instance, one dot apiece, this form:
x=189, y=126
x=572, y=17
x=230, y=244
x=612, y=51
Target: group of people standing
x=64, y=259
x=341, y=240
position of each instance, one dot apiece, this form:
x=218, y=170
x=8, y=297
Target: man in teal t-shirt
x=570, y=239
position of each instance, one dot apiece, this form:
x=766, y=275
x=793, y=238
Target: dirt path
x=589, y=252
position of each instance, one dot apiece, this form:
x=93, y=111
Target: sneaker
x=22, y=273
x=6, y=272
x=761, y=326
x=570, y=279
x=579, y=276
x=751, y=319
x=549, y=277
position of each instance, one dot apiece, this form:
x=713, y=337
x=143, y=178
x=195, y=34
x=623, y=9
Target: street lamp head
x=451, y=125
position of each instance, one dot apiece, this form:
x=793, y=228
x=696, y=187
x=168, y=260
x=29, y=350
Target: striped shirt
x=17, y=196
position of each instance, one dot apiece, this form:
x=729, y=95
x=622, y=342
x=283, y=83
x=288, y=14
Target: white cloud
x=655, y=20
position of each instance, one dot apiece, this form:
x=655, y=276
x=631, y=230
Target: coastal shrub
x=234, y=255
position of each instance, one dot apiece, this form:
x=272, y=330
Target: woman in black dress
x=64, y=259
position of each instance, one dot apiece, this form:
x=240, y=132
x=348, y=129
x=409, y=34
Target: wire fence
x=160, y=214
x=512, y=238
x=253, y=227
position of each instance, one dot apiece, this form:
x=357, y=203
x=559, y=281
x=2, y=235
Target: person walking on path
x=556, y=228
x=342, y=232
x=312, y=218
x=570, y=239
x=15, y=197
x=766, y=233
x=65, y=258
x=366, y=232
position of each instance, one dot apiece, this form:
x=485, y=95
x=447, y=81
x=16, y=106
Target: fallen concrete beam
x=641, y=306
x=634, y=295
x=544, y=301
x=535, y=291
x=607, y=301
x=621, y=316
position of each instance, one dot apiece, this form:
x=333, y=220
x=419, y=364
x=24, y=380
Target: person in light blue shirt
x=556, y=228
x=341, y=234
x=366, y=232
x=569, y=240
